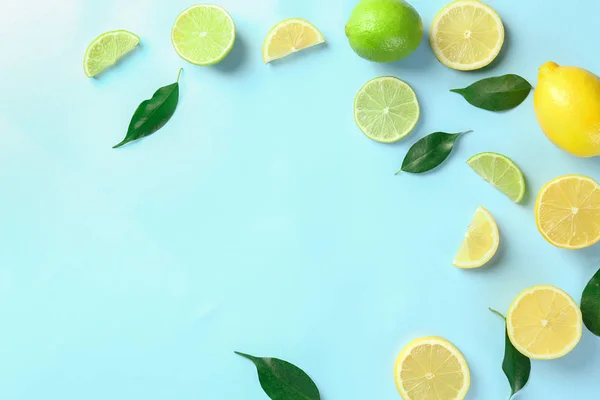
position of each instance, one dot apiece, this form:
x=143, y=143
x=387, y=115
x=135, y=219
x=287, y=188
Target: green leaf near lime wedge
x=501, y=172
x=386, y=109
x=107, y=49
x=203, y=34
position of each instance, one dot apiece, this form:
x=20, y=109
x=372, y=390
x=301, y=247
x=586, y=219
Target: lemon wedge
x=567, y=212
x=467, y=35
x=290, y=36
x=431, y=368
x=544, y=323
x=480, y=243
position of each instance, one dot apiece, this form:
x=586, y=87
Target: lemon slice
x=480, y=243
x=290, y=36
x=567, y=212
x=107, y=49
x=386, y=109
x=431, y=368
x=544, y=322
x=467, y=35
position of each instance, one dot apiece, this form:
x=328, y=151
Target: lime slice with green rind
x=386, y=109
x=203, y=34
x=501, y=172
x=107, y=49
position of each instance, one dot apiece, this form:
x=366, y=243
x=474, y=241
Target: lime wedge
x=106, y=50
x=501, y=172
x=386, y=109
x=290, y=36
x=203, y=34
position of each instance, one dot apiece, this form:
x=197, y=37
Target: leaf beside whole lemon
x=567, y=104
x=384, y=30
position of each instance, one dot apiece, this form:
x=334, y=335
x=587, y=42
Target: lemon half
x=432, y=368
x=567, y=212
x=467, y=35
x=544, y=322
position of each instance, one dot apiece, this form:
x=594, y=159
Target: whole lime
x=384, y=30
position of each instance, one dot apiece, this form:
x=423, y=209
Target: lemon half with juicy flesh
x=567, y=212
x=467, y=35
x=290, y=36
x=480, y=243
x=544, y=323
x=431, y=368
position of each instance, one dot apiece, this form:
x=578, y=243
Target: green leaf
x=500, y=93
x=429, y=152
x=515, y=365
x=590, y=304
x=283, y=381
x=153, y=114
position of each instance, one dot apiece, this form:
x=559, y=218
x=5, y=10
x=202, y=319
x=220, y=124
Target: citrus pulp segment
x=203, y=34
x=544, y=323
x=290, y=36
x=567, y=212
x=431, y=368
x=467, y=35
x=501, y=172
x=386, y=109
x=480, y=243
x=107, y=49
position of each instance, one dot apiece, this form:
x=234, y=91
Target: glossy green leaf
x=429, y=152
x=283, y=381
x=590, y=304
x=500, y=93
x=515, y=365
x=153, y=114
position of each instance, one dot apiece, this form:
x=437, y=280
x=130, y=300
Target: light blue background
x=260, y=218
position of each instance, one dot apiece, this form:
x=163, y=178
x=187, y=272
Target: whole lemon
x=384, y=30
x=567, y=105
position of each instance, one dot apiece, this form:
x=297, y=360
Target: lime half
x=106, y=50
x=203, y=34
x=386, y=109
x=501, y=172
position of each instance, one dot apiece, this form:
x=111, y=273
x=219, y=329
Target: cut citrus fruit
x=501, y=172
x=106, y=50
x=386, y=109
x=467, y=35
x=480, y=243
x=290, y=36
x=544, y=322
x=431, y=368
x=203, y=34
x=567, y=212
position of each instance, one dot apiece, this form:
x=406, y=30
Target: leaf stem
x=498, y=313
x=465, y=132
x=179, y=74
x=397, y=172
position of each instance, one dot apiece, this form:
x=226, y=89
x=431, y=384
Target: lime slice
x=290, y=36
x=106, y=50
x=467, y=35
x=203, y=34
x=501, y=172
x=386, y=109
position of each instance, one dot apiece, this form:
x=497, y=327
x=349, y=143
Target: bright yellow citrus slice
x=290, y=36
x=567, y=212
x=544, y=323
x=431, y=368
x=467, y=35
x=480, y=243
